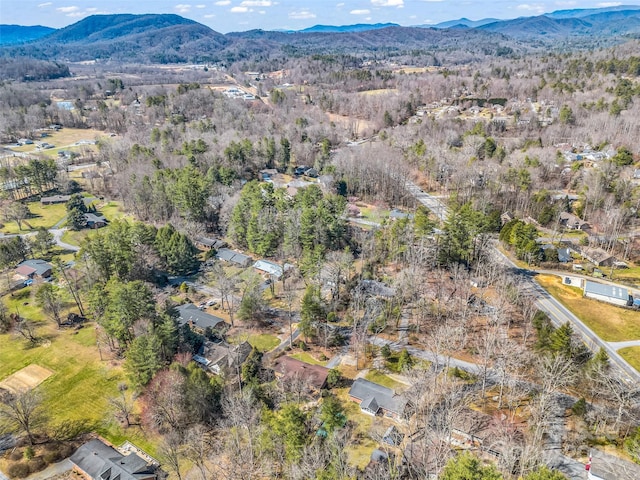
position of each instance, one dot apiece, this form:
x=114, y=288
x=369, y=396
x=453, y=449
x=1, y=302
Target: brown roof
x=25, y=270
x=291, y=368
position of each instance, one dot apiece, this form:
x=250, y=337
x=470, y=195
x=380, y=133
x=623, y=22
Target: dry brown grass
x=26, y=378
x=609, y=322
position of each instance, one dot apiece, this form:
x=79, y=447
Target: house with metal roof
x=34, y=269
x=231, y=256
x=96, y=460
x=608, y=293
x=272, y=269
x=376, y=399
x=196, y=318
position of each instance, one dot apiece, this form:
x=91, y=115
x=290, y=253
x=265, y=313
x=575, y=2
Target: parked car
x=28, y=282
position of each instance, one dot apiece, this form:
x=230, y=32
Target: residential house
x=505, y=218
x=375, y=288
x=210, y=243
x=272, y=269
x=222, y=358
x=376, y=399
x=597, y=256
x=291, y=369
x=93, y=220
x=636, y=174
x=476, y=430
x=396, y=214
x=96, y=460
x=572, y=222
x=608, y=293
x=197, y=319
x=55, y=199
x=236, y=258
x=564, y=255
x=34, y=269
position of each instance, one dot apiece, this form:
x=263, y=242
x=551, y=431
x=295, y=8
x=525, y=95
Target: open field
x=611, y=323
x=64, y=138
x=632, y=356
x=627, y=275
x=379, y=91
x=41, y=216
x=26, y=378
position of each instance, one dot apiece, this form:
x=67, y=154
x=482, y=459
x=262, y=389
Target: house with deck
x=95, y=460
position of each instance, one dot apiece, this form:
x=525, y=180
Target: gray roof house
x=94, y=221
x=196, y=318
x=375, y=398
x=98, y=461
x=597, y=256
x=572, y=222
x=222, y=357
x=34, y=268
x=209, y=243
x=273, y=269
x=607, y=293
x=232, y=256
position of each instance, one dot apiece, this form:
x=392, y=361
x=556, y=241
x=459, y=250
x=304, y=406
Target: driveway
x=52, y=470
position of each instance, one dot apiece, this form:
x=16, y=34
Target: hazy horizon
x=239, y=15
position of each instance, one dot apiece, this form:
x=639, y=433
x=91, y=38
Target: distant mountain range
x=13, y=34
x=169, y=38
x=358, y=27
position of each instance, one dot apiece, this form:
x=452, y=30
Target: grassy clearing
x=41, y=216
x=262, y=341
x=308, y=358
x=373, y=213
x=632, y=356
x=378, y=377
x=611, y=323
x=627, y=275
x=81, y=384
x=360, y=448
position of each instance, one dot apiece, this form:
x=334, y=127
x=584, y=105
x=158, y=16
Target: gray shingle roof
x=100, y=461
x=233, y=257
x=190, y=313
x=40, y=266
x=372, y=394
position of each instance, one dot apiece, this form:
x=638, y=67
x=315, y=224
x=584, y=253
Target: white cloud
x=77, y=14
x=531, y=7
x=183, y=8
x=45, y=4
x=340, y=5
x=223, y=3
x=256, y=3
x=91, y=10
x=209, y=15
x=68, y=9
x=239, y=9
x=568, y=3
x=302, y=15
x=363, y=11
x=609, y=4
x=432, y=1
x=262, y=12
x=388, y=3
x=201, y=6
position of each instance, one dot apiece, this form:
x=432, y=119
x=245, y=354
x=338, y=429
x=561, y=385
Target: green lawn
x=306, y=357
x=632, y=356
x=378, y=377
x=262, y=341
x=75, y=237
x=41, y=216
x=79, y=389
x=611, y=323
x=113, y=210
x=627, y=275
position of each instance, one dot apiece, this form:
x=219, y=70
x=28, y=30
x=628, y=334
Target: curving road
x=544, y=301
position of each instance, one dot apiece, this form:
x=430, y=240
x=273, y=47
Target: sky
x=239, y=15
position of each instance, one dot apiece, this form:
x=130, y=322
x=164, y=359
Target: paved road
x=432, y=203
x=560, y=315
x=3, y=476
